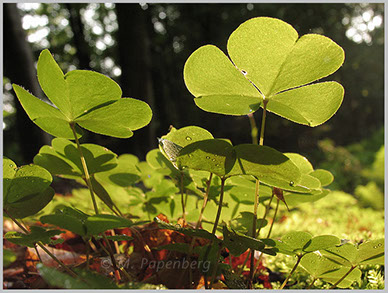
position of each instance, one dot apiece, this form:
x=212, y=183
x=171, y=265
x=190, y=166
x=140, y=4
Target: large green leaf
x=50, y=119
x=310, y=105
x=217, y=85
x=268, y=61
x=320, y=267
x=213, y=155
x=370, y=252
x=118, y=119
x=266, y=164
x=87, y=98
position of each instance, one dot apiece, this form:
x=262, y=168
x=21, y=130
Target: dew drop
x=188, y=138
x=244, y=72
x=10, y=165
x=190, y=155
x=379, y=245
x=292, y=183
x=375, y=246
x=217, y=165
x=207, y=157
x=213, y=160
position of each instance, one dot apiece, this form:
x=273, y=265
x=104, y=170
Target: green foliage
x=86, y=98
x=281, y=62
x=320, y=267
x=83, y=224
x=300, y=243
x=84, y=280
x=26, y=189
x=37, y=234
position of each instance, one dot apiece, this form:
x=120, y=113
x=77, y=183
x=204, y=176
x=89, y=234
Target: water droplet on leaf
x=188, y=138
x=207, y=157
x=292, y=183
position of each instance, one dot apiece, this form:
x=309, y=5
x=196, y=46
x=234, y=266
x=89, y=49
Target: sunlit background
x=144, y=48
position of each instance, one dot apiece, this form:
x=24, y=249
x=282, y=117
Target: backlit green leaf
x=213, y=155
x=266, y=164
x=100, y=223
x=268, y=60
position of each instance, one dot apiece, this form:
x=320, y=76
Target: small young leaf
x=324, y=176
x=37, y=234
x=238, y=244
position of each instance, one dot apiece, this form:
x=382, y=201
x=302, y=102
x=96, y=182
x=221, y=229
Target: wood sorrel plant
x=215, y=187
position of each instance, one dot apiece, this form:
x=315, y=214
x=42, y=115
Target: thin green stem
x=292, y=271
x=85, y=169
x=215, y=267
x=254, y=130
x=219, y=206
x=205, y=198
x=265, y=215
x=312, y=283
x=343, y=277
x=215, y=224
x=261, y=142
x=183, y=199
x=254, y=229
x=42, y=246
x=263, y=122
x=274, y=217
x=67, y=269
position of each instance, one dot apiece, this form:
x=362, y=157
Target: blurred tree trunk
x=135, y=61
x=80, y=43
x=19, y=68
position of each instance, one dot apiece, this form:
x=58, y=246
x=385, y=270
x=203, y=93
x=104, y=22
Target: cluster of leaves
x=191, y=168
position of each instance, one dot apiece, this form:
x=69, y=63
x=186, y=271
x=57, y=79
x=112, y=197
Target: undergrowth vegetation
x=199, y=212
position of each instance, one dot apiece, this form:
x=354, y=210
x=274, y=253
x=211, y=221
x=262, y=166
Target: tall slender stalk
x=205, y=198
x=183, y=199
x=292, y=271
x=215, y=226
x=261, y=142
x=251, y=271
x=269, y=232
x=274, y=217
x=219, y=205
x=254, y=130
x=41, y=245
x=343, y=277
x=85, y=169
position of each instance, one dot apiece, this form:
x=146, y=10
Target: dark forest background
x=144, y=48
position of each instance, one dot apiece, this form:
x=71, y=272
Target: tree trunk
x=19, y=68
x=135, y=60
x=79, y=37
